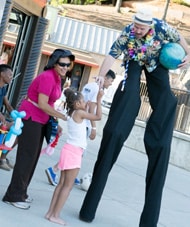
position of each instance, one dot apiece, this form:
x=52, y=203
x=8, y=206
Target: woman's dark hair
x=56, y=55
x=71, y=98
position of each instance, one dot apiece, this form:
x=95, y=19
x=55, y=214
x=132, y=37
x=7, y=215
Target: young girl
x=71, y=154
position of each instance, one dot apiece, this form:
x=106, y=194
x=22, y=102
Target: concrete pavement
x=121, y=203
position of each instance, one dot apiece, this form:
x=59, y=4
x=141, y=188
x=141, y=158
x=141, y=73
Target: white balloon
x=86, y=181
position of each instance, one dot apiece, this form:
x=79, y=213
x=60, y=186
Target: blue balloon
x=171, y=55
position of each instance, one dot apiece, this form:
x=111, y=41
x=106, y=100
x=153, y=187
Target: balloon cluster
x=15, y=130
x=49, y=150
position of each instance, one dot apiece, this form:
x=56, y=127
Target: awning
x=80, y=56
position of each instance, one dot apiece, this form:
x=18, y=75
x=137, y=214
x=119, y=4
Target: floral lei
x=138, y=54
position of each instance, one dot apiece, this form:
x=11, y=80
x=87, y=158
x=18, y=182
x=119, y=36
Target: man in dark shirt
x=6, y=76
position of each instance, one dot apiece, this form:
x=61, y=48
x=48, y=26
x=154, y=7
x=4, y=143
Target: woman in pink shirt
x=39, y=106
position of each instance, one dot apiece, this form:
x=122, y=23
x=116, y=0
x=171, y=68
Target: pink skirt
x=70, y=157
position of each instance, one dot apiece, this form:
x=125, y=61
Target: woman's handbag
x=51, y=129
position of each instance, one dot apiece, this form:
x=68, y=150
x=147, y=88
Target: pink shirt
x=47, y=83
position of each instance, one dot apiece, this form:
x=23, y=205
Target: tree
x=118, y=5
x=166, y=10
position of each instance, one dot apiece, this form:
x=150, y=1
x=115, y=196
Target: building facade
x=23, y=27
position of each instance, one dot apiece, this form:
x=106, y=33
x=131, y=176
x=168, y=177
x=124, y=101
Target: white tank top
x=76, y=133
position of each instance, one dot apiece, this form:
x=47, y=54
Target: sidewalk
x=121, y=203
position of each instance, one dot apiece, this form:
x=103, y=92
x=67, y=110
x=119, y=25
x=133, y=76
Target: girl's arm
x=98, y=115
x=43, y=105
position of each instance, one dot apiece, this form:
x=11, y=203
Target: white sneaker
x=21, y=205
x=29, y=200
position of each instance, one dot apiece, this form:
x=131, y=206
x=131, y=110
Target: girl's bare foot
x=57, y=220
x=47, y=216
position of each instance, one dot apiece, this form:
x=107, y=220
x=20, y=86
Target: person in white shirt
x=89, y=92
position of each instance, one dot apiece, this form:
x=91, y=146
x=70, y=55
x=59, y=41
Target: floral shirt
x=145, y=50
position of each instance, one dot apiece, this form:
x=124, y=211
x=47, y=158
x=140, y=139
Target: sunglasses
x=62, y=64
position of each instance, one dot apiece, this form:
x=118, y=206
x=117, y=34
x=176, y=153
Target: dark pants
x=28, y=152
x=157, y=139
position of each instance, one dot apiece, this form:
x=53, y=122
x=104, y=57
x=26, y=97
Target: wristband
x=93, y=128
